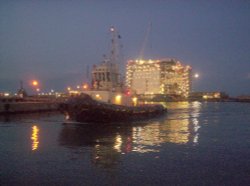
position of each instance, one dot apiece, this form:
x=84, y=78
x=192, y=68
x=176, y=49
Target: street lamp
x=85, y=86
x=35, y=83
x=36, y=86
x=195, y=82
x=196, y=75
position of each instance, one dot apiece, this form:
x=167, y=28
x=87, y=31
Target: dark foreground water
x=195, y=144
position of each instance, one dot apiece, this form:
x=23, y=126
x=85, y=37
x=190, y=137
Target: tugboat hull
x=85, y=109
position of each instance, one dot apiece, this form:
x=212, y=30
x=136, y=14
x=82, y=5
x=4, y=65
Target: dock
x=28, y=105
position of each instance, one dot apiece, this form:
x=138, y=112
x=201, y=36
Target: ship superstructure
x=106, y=76
x=106, y=84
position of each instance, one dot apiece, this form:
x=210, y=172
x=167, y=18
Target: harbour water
x=194, y=144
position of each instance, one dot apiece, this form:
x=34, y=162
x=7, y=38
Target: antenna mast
x=114, y=58
x=114, y=42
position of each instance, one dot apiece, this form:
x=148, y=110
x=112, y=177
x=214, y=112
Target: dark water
x=195, y=144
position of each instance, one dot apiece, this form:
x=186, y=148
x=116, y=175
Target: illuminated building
x=166, y=77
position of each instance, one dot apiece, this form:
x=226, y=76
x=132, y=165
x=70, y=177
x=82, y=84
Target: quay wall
x=27, y=107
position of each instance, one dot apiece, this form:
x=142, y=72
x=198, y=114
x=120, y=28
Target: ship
x=107, y=101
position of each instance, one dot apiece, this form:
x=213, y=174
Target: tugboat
x=97, y=105
x=83, y=108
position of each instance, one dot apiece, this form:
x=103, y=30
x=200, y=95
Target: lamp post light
x=35, y=84
x=196, y=75
x=85, y=86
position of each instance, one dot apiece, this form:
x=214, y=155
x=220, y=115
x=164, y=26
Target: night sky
x=54, y=41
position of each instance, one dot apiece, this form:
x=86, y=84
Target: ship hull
x=86, y=109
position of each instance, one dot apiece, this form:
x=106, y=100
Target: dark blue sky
x=54, y=40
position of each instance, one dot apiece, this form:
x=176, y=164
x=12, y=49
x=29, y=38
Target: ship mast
x=106, y=76
x=114, y=59
x=115, y=50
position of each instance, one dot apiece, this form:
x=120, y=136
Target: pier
x=15, y=105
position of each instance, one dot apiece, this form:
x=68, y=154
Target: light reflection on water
x=206, y=139
x=179, y=128
x=35, y=137
x=110, y=141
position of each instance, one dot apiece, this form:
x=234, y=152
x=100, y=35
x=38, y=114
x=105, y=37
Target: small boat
x=83, y=108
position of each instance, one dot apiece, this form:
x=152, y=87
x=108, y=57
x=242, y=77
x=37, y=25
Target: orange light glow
x=85, y=86
x=118, y=99
x=34, y=83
